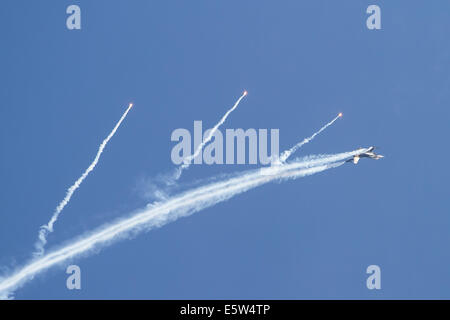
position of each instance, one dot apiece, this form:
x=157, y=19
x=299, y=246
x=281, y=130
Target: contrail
x=187, y=160
x=173, y=208
x=286, y=154
x=48, y=228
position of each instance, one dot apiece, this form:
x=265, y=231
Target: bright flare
x=187, y=160
x=285, y=155
x=48, y=228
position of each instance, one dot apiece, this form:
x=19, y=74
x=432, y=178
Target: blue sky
x=302, y=63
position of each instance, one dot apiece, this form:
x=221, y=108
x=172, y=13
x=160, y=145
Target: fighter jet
x=368, y=154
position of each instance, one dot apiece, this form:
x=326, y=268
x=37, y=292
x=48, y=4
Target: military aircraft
x=368, y=154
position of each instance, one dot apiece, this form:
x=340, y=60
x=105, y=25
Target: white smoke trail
x=286, y=154
x=178, y=206
x=48, y=228
x=187, y=160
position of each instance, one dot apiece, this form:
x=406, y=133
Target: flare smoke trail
x=48, y=228
x=286, y=154
x=173, y=208
x=187, y=160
